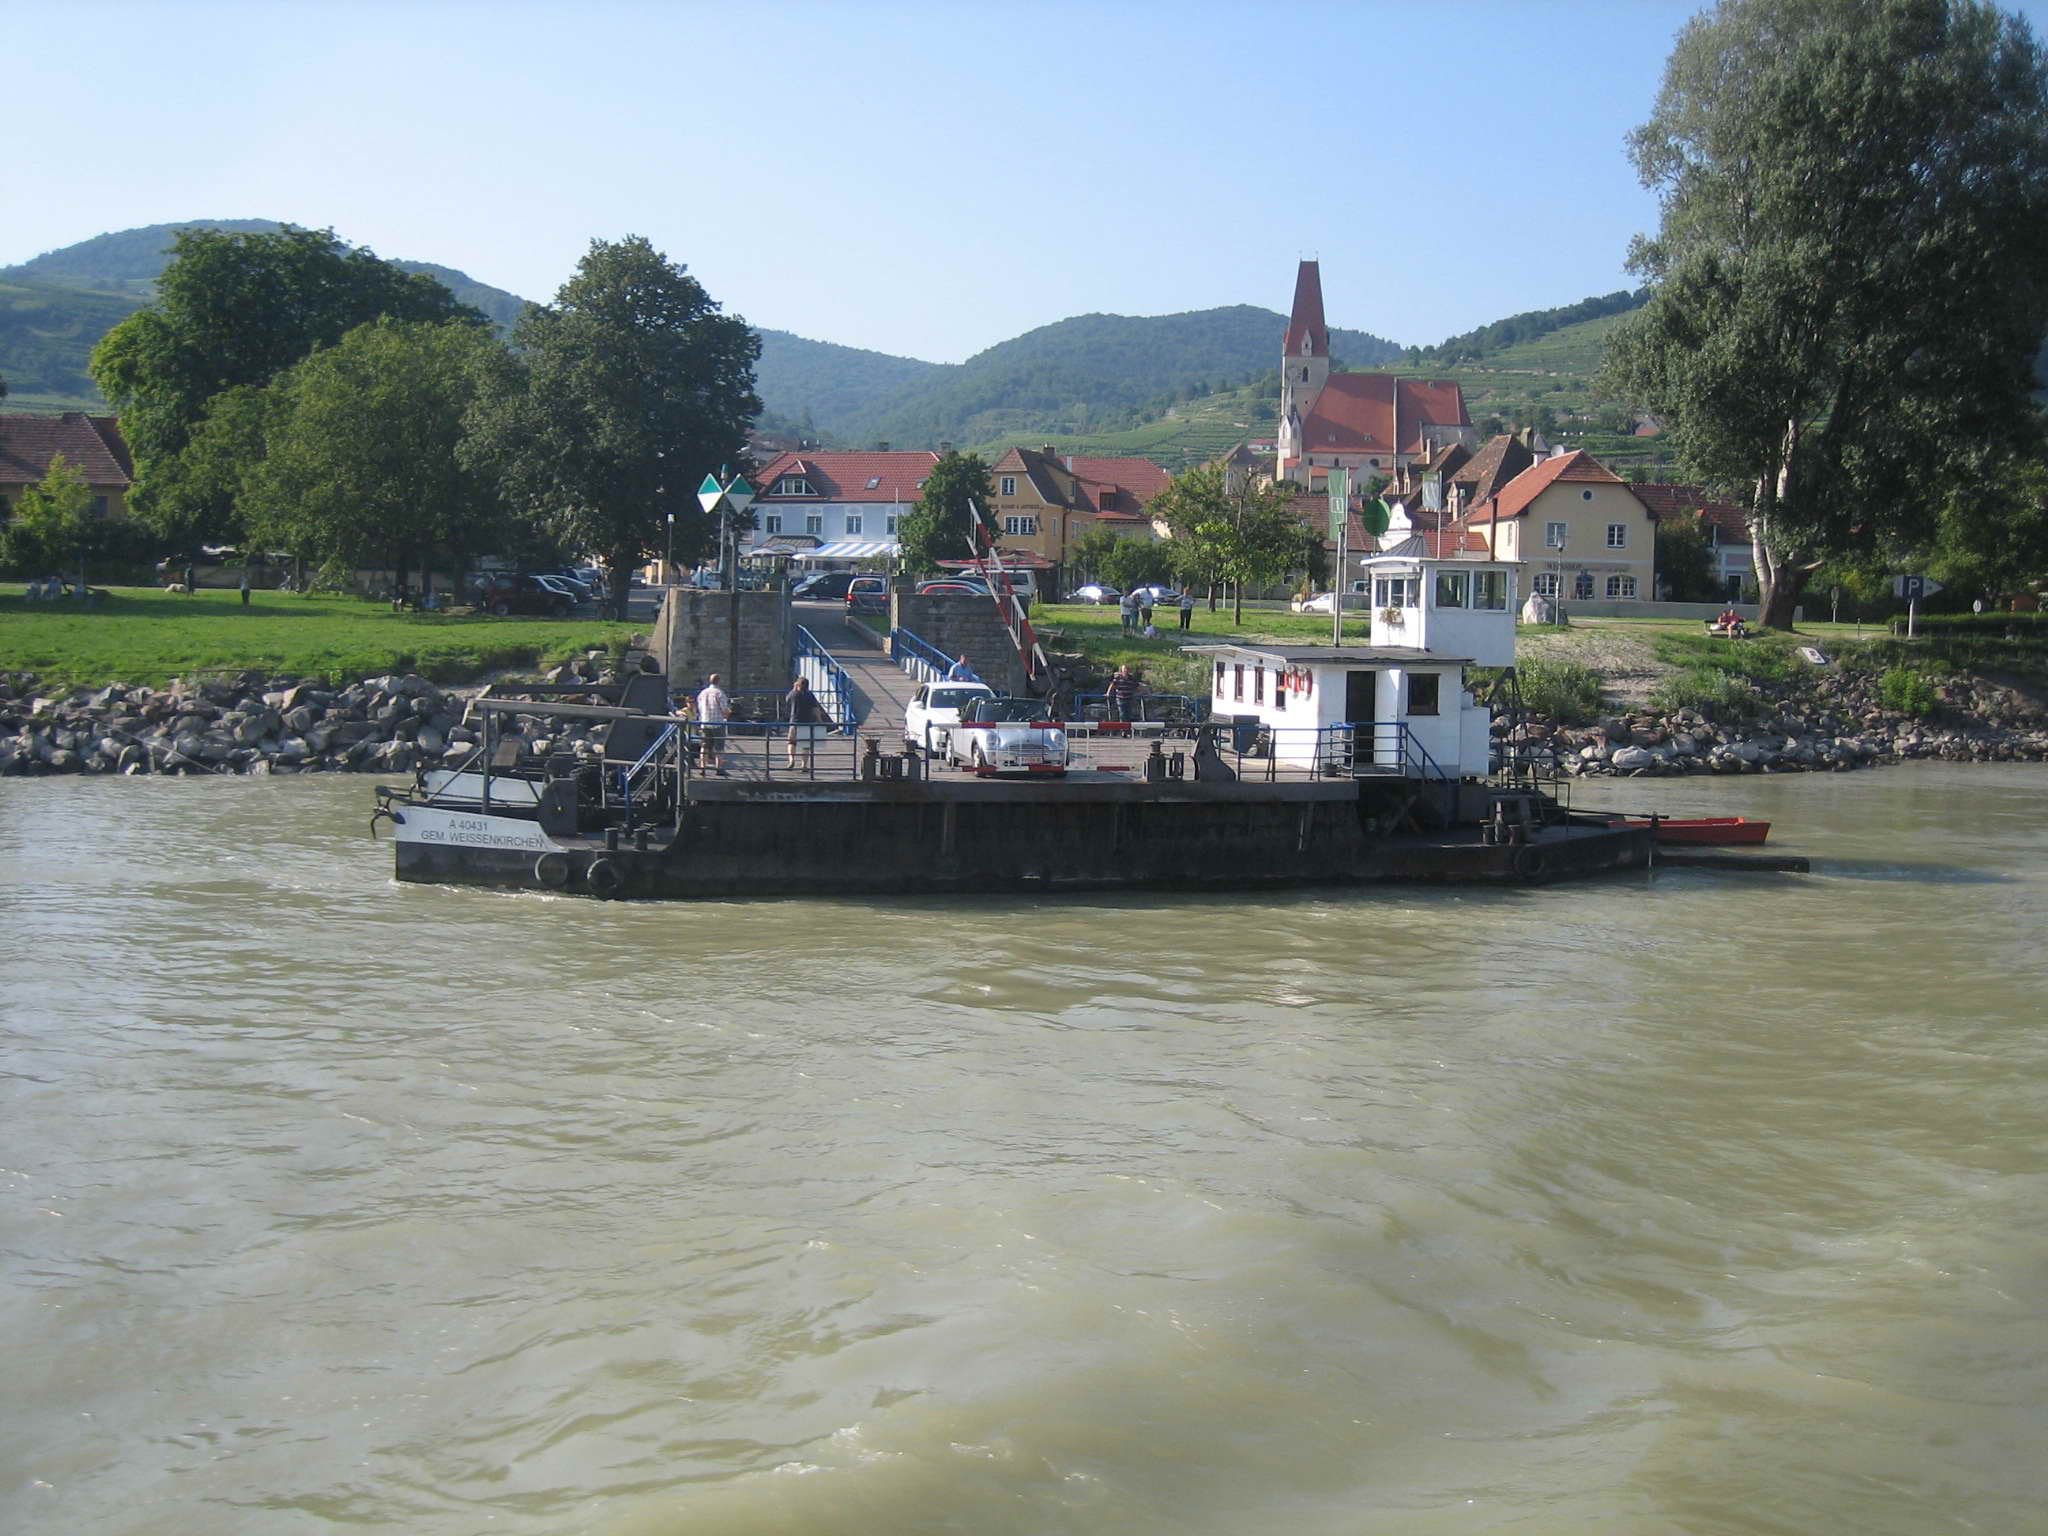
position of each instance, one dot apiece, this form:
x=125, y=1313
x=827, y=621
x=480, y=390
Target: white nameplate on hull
x=466, y=829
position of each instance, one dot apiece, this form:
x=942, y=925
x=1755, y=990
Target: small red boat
x=1704, y=829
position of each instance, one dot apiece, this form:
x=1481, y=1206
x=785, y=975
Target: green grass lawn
x=1096, y=632
x=142, y=635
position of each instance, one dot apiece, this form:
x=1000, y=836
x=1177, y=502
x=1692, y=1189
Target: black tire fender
x=604, y=877
x=552, y=870
x=1531, y=863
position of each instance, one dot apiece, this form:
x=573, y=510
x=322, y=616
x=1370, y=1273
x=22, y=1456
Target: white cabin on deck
x=1371, y=709
x=1460, y=606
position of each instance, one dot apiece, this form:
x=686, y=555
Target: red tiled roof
x=1515, y=497
x=1696, y=501
x=1355, y=413
x=899, y=474
x=1489, y=470
x=1077, y=481
x=92, y=445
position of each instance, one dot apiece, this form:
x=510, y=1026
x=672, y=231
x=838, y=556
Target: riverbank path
x=883, y=688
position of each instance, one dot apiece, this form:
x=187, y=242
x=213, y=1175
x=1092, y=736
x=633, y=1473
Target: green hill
x=823, y=388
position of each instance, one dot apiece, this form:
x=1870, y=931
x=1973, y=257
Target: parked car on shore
x=868, y=594
x=1095, y=593
x=1321, y=602
x=823, y=586
x=503, y=594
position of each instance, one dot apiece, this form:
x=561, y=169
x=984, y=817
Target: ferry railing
x=828, y=680
x=922, y=660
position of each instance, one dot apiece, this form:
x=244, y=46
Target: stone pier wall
x=745, y=637
x=955, y=624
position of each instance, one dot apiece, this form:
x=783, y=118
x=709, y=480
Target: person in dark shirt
x=1123, y=695
x=807, y=722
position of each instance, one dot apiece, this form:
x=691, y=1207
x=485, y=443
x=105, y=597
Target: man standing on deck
x=714, y=708
x=1123, y=695
x=962, y=671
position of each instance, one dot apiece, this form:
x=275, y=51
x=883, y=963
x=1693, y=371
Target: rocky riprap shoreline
x=1834, y=725
x=250, y=724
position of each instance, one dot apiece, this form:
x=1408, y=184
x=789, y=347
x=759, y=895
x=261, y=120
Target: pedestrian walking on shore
x=1127, y=610
x=807, y=722
x=1144, y=607
x=191, y=579
x=1187, y=610
x=714, y=708
x=1123, y=695
x=245, y=586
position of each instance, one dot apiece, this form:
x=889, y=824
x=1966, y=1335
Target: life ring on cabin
x=1531, y=862
x=552, y=870
x=604, y=877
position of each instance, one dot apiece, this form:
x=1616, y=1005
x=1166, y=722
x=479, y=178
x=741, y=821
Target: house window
x=873, y=481
x=1423, y=690
x=1219, y=680
x=1621, y=586
x=1020, y=527
x=1585, y=495
x=1237, y=683
x=1009, y=485
x=771, y=522
x=99, y=506
x=1582, y=587
x=814, y=523
x=1546, y=584
x=1617, y=535
x=1553, y=535
x=893, y=517
x=1490, y=590
x=1453, y=588
x=1105, y=501
x=853, y=524
x=794, y=485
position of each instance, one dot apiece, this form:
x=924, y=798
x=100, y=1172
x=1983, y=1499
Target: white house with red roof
x=1368, y=423
x=1577, y=528
x=832, y=511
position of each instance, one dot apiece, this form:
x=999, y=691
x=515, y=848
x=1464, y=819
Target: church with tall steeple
x=1369, y=423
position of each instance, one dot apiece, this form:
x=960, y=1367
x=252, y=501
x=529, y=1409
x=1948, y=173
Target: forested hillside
x=1097, y=373
x=821, y=388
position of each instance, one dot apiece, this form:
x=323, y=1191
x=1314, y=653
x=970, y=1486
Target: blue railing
x=925, y=662
x=828, y=680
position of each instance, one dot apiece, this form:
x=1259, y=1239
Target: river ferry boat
x=1315, y=765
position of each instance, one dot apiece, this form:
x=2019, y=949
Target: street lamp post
x=668, y=561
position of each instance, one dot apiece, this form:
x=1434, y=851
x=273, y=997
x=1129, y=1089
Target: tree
x=1227, y=528
x=53, y=520
x=1850, y=279
x=237, y=310
x=618, y=399
x=939, y=527
x=1685, y=562
x=360, y=449
x=1135, y=562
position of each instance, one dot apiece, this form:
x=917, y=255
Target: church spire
x=1306, y=334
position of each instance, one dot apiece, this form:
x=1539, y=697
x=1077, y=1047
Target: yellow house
x=1577, y=529
x=92, y=445
x=1046, y=502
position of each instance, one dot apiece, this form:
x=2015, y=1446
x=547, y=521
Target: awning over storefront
x=853, y=549
x=783, y=548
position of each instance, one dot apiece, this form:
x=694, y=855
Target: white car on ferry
x=1008, y=736
x=935, y=709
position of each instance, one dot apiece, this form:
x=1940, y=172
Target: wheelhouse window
x=1490, y=590
x=1617, y=535
x=1423, y=691
x=1396, y=591
x=1237, y=683
x=1219, y=679
x=1554, y=535
x=1258, y=685
x=1453, y=589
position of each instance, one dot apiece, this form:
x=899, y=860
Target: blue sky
x=920, y=179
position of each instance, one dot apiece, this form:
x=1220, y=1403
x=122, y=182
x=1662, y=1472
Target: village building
x=1725, y=525
x=1046, y=502
x=1369, y=423
x=1576, y=527
x=834, y=511
x=92, y=445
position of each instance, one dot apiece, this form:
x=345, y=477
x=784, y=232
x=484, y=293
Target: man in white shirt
x=714, y=708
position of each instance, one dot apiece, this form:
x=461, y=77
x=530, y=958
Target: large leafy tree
x=1231, y=529
x=53, y=521
x=618, y=399
x=359, y=463
x=1850, y=278
x=940, y=526
x=235, y=310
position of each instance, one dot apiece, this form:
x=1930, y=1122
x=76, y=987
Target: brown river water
x=1689, y=1203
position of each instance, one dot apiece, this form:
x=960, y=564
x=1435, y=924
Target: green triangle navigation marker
x=739, y=493
x=1376, y=514
x=709, y=492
